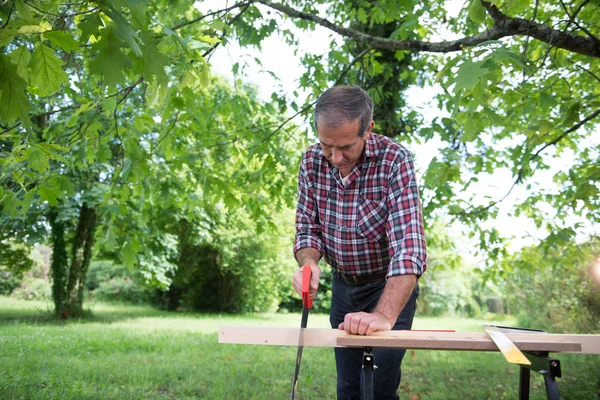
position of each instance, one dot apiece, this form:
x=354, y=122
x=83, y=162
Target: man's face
x=342, y=145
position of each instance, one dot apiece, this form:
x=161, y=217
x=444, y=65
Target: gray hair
x=343, y=104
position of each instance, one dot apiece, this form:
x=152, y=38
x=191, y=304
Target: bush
x=111, y=282
x=237, y=268
x=33, y=289
x=103, y=271
x=9, y=280
x=448, y=291
x=122, y=290
x=551, y=288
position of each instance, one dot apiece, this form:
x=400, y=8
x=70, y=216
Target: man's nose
x=336, y=156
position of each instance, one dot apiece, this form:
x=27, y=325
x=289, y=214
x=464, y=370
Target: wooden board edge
x=321, y=337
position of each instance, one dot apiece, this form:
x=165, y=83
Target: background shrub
x=9, y=280
x=550, y=287
x=32, y=288
x=111, y=282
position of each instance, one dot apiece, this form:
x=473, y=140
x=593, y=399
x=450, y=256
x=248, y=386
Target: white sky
x=279, y=58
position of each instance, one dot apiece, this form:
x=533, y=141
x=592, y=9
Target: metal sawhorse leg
x=368, y=368
x=541, y=363
x=546, y=366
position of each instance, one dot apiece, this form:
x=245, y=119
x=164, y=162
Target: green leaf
x=46, y=71
x=472, y=128
x=10, y=202
x=547, y=101
x=110, y=60
x=23, y=10
x=37, y=159
x=49, y=194
x=13, y=95
x=128, y=254
x=218, y=25
x=65, y=185
x=468, y=75
x=85, y=107
x=10, y=31
x=476, y=12
x=154, y=60
x=21, y=57
x=62, y=40
x=138, y=10
x=109, y=104
x=124, y=31
x=89, y=26
x=204, y=76
x=103, y=153
x=209, y=39
x=110, y=239
x=33, y=29
x=26, y=202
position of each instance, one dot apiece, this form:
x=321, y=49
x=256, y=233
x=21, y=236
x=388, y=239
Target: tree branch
x=565, y=133
x=306, y=107
x=572, y=21
x=519, y=177
x=214, y=46
x=225, y=10
x=587, y=70
x=504, y=27
x=10, y=129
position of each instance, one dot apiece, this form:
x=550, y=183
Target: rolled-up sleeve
x=404, y=228
x=308, y=229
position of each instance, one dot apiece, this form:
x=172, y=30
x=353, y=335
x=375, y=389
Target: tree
x=111, y=118
x=98, y=97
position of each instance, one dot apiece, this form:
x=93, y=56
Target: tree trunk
x=387, y=89
x=83, y=243
x=59, y=264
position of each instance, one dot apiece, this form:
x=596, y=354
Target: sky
x=279, y=58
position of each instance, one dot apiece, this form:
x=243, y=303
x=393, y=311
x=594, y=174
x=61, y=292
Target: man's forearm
x=308, y=256
x=395, y=296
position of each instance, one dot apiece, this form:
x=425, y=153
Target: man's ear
x=369, y=130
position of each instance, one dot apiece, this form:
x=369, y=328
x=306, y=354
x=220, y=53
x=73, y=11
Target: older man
x=358, y=206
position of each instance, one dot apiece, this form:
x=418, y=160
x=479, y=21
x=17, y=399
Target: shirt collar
x=371, y=146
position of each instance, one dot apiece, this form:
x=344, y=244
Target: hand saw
x=510, y=351
x=306, y=305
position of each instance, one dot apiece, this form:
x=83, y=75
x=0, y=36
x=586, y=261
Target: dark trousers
x=386, y=378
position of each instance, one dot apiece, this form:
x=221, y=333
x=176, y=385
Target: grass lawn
x=132, y=352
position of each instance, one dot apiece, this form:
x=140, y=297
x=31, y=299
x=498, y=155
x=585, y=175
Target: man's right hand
x=314, y=281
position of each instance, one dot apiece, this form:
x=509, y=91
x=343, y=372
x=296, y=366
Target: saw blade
x=299, y=354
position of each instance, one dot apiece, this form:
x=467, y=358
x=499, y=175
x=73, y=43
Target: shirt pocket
x=372, y=217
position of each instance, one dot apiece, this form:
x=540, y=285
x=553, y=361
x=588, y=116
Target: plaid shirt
x=372, y=223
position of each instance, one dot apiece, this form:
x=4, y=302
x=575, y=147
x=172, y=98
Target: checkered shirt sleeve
x=308, y=229
x=404, y=226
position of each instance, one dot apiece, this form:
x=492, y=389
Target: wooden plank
x=458, y=341
x=463, y=341
x=279, y=336
x=590, y=344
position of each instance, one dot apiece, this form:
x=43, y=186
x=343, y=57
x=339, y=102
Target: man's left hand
x=363, y=323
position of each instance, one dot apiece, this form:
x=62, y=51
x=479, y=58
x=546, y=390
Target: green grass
x=132, y=352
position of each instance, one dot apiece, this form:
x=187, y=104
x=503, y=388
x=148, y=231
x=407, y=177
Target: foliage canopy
x=112, y=124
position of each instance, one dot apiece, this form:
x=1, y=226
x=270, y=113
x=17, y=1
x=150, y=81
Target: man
x=358, y=206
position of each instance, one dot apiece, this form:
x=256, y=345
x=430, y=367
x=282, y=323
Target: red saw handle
x=306, y=274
